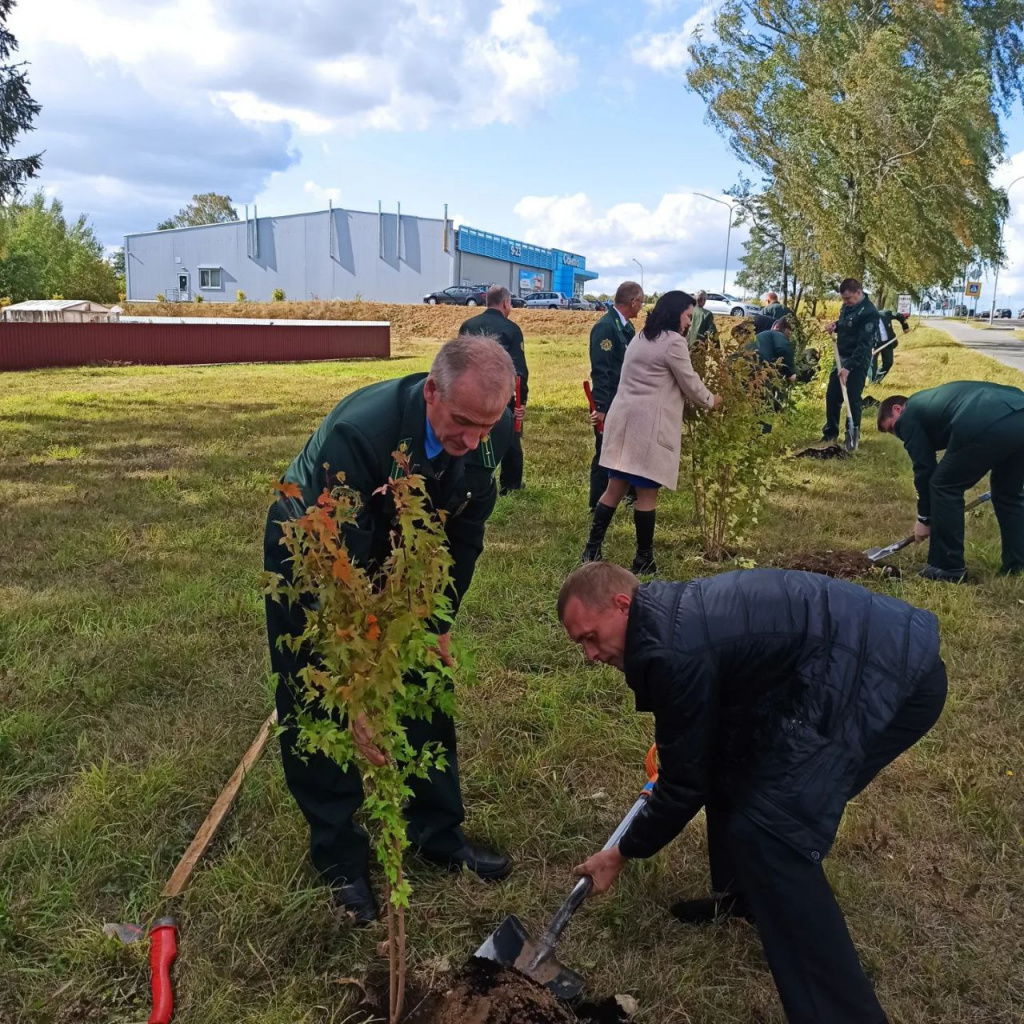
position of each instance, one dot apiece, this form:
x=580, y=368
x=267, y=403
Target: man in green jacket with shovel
x=856, y=333
x=980, y=426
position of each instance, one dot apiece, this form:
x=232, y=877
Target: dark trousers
x=886, y=356
x=834, y=409
x=598, y=474
x=1000, y=451
x=511, y=477
x=806, y=942
x=329, y=796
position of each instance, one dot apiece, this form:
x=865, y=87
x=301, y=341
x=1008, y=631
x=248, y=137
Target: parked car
x=458, y=295
x=578, y=302
x=518, y=302
x=547, y=300
x=960, y=310
x=602, y=306
x=1006, y=314
x=729, y=305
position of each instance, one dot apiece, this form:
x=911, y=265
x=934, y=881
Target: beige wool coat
x=643, y=427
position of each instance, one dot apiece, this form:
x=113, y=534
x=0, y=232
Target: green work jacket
x=358, y=438
x=949, y=417
x=776, y=310
x=608, y=341
x=509, y=335
x=857, y=334
x=772, y=346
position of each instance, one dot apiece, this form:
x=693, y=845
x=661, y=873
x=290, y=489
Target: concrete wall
x=322, y=255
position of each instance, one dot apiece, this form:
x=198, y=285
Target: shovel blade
x=505, y=943
x=511, y=946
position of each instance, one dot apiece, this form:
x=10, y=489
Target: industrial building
x=338, y=254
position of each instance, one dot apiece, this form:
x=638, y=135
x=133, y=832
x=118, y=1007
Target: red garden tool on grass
x=593, y=406
x=510, y=943
x=163, y=948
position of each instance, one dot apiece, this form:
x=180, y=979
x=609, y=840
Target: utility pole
x=1002, y=228
x=641, y=266
x=728, y=233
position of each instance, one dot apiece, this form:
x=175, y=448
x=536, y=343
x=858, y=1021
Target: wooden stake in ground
x=220, y=808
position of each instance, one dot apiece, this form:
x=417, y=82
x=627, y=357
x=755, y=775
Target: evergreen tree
x=17, y=112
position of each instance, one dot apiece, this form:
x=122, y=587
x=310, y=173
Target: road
x=999, y=343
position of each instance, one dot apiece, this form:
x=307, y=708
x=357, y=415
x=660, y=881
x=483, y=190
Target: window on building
x=209, y=277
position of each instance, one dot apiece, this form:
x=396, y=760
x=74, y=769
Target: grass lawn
x=133, y=674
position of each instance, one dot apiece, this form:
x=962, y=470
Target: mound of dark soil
x=850, y=565
x=487, y=993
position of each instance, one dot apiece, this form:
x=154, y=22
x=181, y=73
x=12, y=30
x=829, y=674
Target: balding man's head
x=469, y=386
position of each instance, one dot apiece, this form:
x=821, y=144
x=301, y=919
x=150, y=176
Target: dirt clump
x=828, y=451
x=849, y=565
x=487, y=993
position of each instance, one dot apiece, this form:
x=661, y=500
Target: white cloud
x=1011, y=277
x=668, y=51
x=680, y=242
x=321, y=194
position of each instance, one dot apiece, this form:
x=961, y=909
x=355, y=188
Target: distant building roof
x=55, y=305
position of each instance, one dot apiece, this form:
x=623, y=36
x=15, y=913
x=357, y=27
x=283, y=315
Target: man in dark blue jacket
x=777, y=697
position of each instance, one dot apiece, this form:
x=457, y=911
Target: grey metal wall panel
x=325, y=255
x=485, y=270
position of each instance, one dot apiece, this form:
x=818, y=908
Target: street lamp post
x=1002, y=228
x=728, y=234
x=641, y=266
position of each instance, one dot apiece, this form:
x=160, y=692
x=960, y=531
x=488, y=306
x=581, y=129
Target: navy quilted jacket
x=766, y=686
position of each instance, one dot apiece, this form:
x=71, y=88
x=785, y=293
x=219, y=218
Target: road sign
x=903, y=305
x=973, y=289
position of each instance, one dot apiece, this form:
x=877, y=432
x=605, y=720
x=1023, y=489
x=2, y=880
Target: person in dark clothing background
x=887, y=338
x=453, y=425
x=856, y=333
x=777, y=697
x=980, y=427
x=608, y=340
x=495, y=321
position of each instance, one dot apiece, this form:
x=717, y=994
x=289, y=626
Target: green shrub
x=278, y=295
x=200, y=298
x=160, y=297
x=240, y=296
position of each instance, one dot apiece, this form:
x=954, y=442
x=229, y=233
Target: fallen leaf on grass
x=628, y=1005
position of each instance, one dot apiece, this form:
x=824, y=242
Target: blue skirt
x=632, y=478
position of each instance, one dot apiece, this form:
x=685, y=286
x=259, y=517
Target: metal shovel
x=852, y=433
x=877, y=554
x=510, y=944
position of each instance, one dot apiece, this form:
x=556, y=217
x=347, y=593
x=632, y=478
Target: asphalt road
x=999, y=343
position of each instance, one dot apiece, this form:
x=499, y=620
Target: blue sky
x=531, y=119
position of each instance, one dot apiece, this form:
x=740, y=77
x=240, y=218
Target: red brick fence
x=184, y=341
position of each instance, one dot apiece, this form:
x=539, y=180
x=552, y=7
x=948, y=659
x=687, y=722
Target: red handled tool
x=163, y=948
x=593, y=406
x=519, y=404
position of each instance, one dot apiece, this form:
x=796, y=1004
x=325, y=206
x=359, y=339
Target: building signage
x=903, y=305
x=571, y=261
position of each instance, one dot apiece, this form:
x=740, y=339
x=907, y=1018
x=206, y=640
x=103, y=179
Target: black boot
x=356, y=898
x=643, y=563
x=602, y=519
x=708, y=911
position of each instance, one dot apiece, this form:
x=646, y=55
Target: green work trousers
x=834, y=410
x=1000, y=451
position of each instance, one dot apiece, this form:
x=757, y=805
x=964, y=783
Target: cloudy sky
x=565, y=123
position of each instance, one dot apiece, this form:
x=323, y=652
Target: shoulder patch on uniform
x=487, y=452
x=405, y=447
x=606, y=345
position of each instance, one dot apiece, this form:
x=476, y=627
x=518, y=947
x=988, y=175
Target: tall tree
x=42, y=255
x=17, y=112
x=206, y=208
x=873, y=123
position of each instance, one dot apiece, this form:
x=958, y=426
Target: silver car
x=729, y=305
x=546, y=300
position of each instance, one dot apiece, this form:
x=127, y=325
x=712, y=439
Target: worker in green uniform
x=608, y=340
x=775, y=349
x=773, y=308
x=856, y=333
x=702, y=326
x=454, y=426
x=980, y=427
x=495, y=321
x=887, y=342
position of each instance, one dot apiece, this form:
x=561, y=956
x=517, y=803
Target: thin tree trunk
x=392, y=961
x=785, y=278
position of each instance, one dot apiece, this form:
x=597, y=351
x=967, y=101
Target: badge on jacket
x=606, y=345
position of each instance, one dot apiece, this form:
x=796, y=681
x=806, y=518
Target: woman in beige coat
x=644, y=424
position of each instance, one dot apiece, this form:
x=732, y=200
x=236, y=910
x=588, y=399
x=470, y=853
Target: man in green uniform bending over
x=856, y=333
x=980, y=427
x=454, y=426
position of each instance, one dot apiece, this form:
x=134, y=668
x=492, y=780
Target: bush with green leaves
x=730, y=457
x=367, y=633
x=240, y=295
x=277, y=295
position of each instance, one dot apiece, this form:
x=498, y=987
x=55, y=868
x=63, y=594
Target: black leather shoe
x=357, y=899
x=932, y=572
x=644, y=563
x=591, y=553
x=490, y=865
